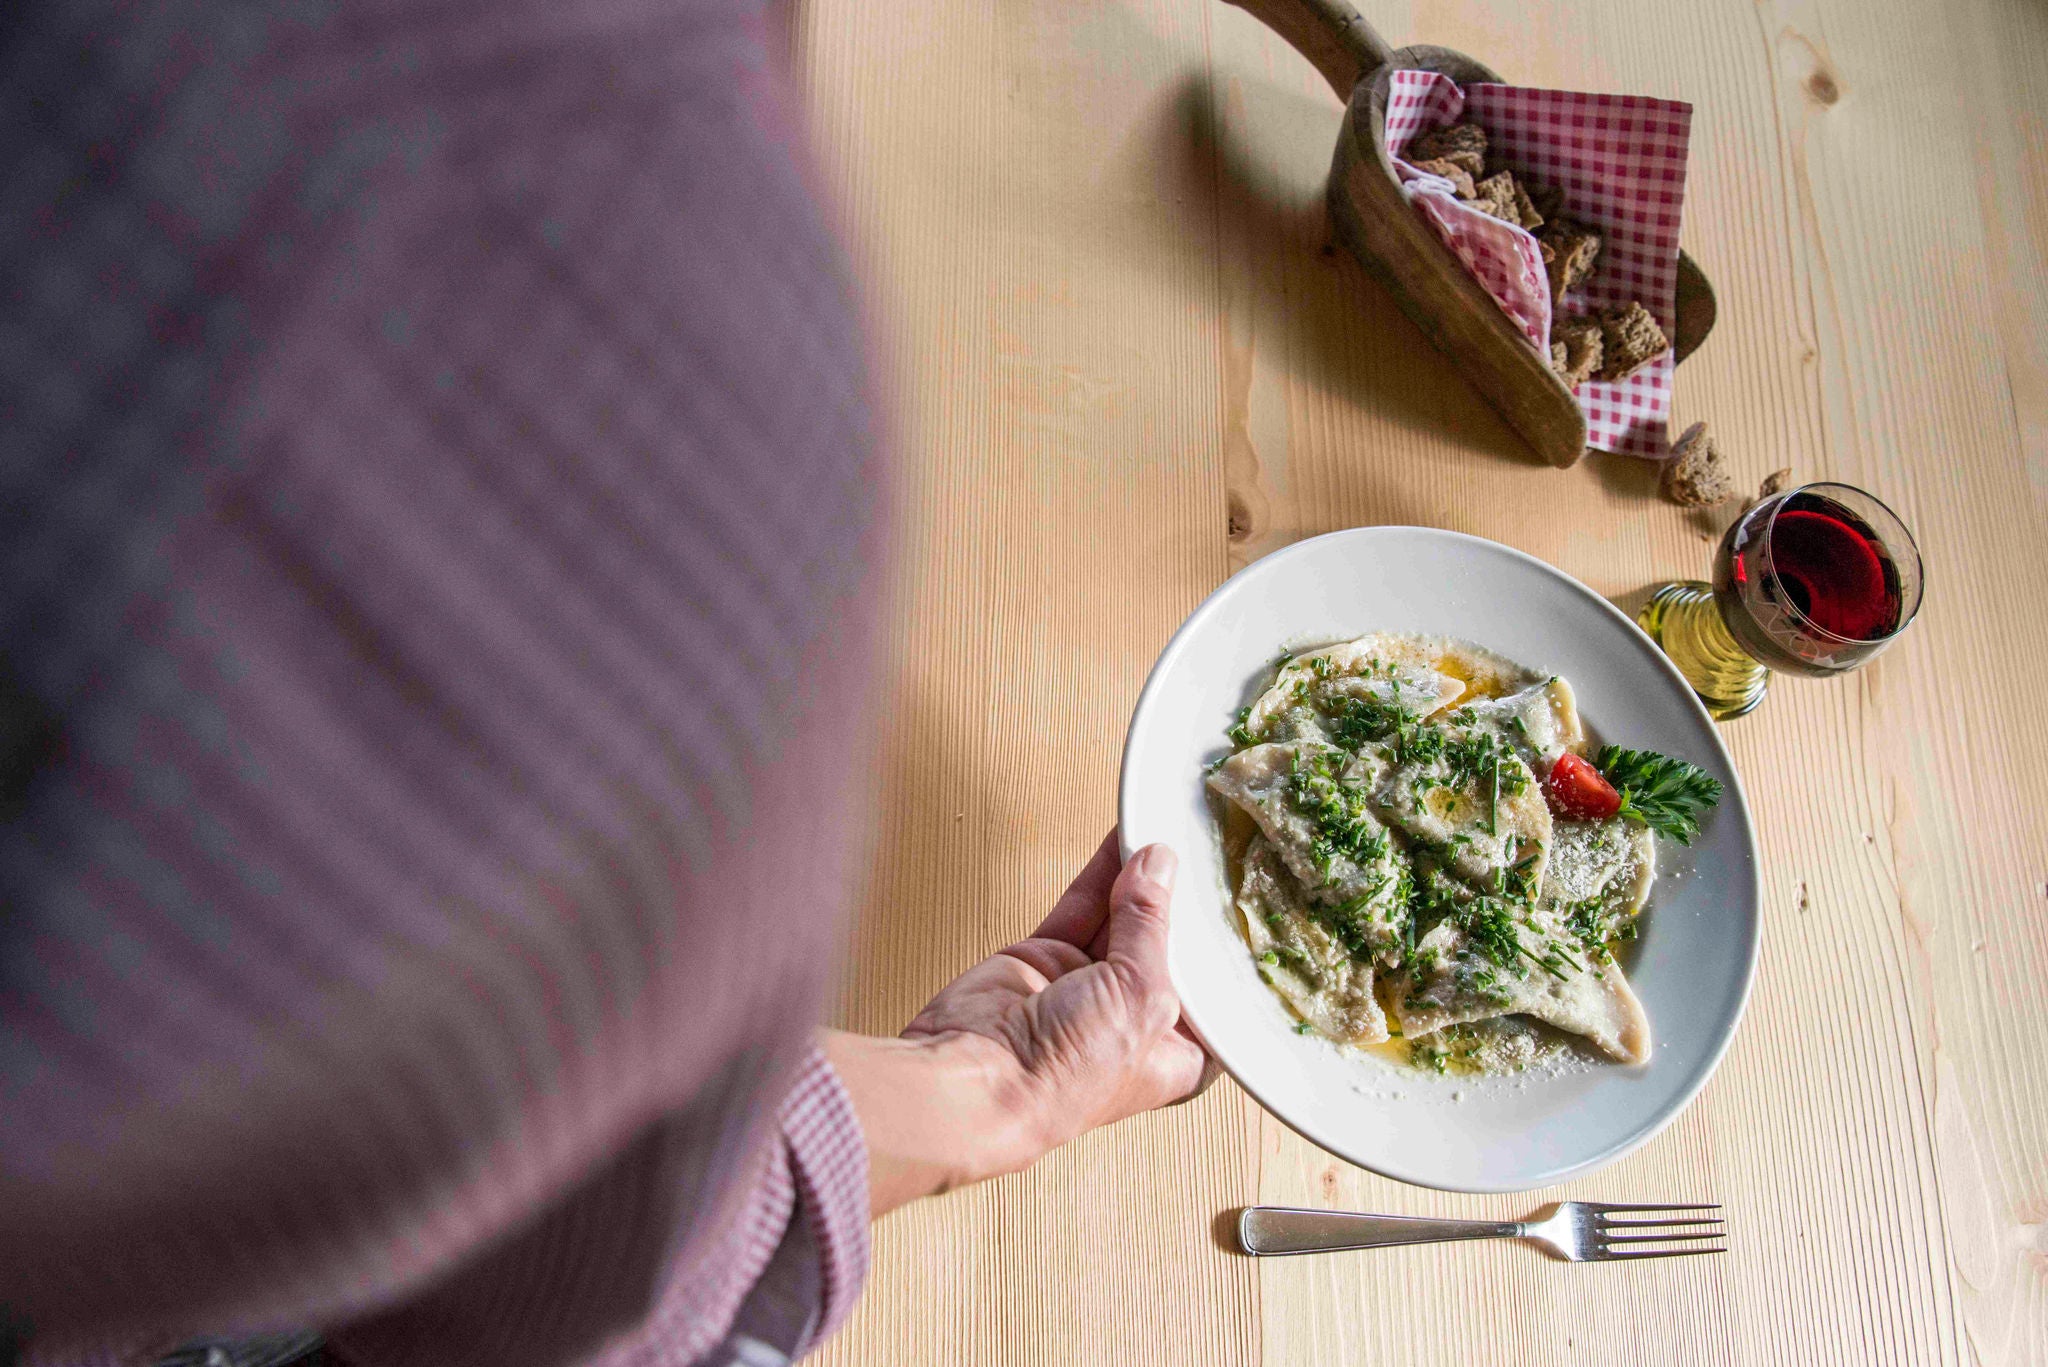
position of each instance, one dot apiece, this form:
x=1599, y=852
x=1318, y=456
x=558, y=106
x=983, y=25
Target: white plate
x=1699, y=943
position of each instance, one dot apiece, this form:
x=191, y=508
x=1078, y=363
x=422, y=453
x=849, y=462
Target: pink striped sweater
x=437, y=511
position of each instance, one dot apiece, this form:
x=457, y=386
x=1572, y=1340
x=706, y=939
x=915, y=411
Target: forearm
x=930, y=1112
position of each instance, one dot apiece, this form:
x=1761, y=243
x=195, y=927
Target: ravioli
x=1309, y=802
x=1541, y=722
x=1334, y=710
x=1407, y=864
x=1613, y=862
x=1483, y=817
x=1397, y=671
x=1453, y=979
x=1302, y=958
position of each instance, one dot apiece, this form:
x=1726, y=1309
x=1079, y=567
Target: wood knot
x=1240, y=519
x=1822, y=89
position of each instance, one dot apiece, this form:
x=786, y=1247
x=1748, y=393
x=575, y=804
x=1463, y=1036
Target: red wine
x=1811, y=586
x=1833, y=569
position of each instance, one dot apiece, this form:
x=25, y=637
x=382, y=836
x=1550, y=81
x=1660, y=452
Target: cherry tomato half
x=1578, y=791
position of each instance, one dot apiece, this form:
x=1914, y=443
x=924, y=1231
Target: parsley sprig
x=1667, y=795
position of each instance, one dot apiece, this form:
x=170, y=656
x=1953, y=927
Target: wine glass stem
x=1683, y=618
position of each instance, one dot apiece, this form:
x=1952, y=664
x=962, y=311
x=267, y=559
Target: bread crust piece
x=1503, y=196
x=1630, y=339
x=1458, y=176
x=1496, y=196
x=1575, y=250
x=1575, y=348
x=1775, y=483
x=1696, y=476
x=1461, y=144
x=1548, y=201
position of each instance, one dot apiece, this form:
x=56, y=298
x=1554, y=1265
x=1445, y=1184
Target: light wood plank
x=1043, y=297
x=1121, y=365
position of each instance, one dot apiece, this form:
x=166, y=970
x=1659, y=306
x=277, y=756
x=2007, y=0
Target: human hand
x=1074, y=1027
x=1078, y=1025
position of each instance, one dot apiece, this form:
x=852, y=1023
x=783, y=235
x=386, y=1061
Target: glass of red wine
x=1816, y=580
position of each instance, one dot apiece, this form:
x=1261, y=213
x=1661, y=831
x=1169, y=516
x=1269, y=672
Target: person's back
x=437, y=506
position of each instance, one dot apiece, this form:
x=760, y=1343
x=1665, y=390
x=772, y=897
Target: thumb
x=1139, y=903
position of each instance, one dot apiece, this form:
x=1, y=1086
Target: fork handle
x=1267, y=1230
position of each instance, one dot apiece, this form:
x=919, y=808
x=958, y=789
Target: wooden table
x=1123, y=363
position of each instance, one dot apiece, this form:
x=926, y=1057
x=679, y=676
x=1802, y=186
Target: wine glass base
x=1683, y=618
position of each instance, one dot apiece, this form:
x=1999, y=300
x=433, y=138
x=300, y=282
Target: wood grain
x=1122, y=362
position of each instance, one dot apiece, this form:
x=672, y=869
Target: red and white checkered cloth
x=1620, y=162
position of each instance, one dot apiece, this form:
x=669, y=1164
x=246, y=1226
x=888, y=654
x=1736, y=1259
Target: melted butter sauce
x=1456, y=669
x=1485, y=681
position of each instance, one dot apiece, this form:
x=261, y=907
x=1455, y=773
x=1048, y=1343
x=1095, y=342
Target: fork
x=1576, y=1231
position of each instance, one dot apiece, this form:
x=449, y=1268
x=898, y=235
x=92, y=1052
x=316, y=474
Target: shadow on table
x=1627, y=477
x=1286, y=286
x=1632, y=602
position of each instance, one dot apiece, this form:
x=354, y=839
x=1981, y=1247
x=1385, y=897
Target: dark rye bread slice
x=1458, y=176
x=1575, y=347
x=1629, y=340
x=1461, y=144
x=1574, y=248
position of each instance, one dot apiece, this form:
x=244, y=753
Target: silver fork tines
x=1588, y=1231
x=1577, y=1231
